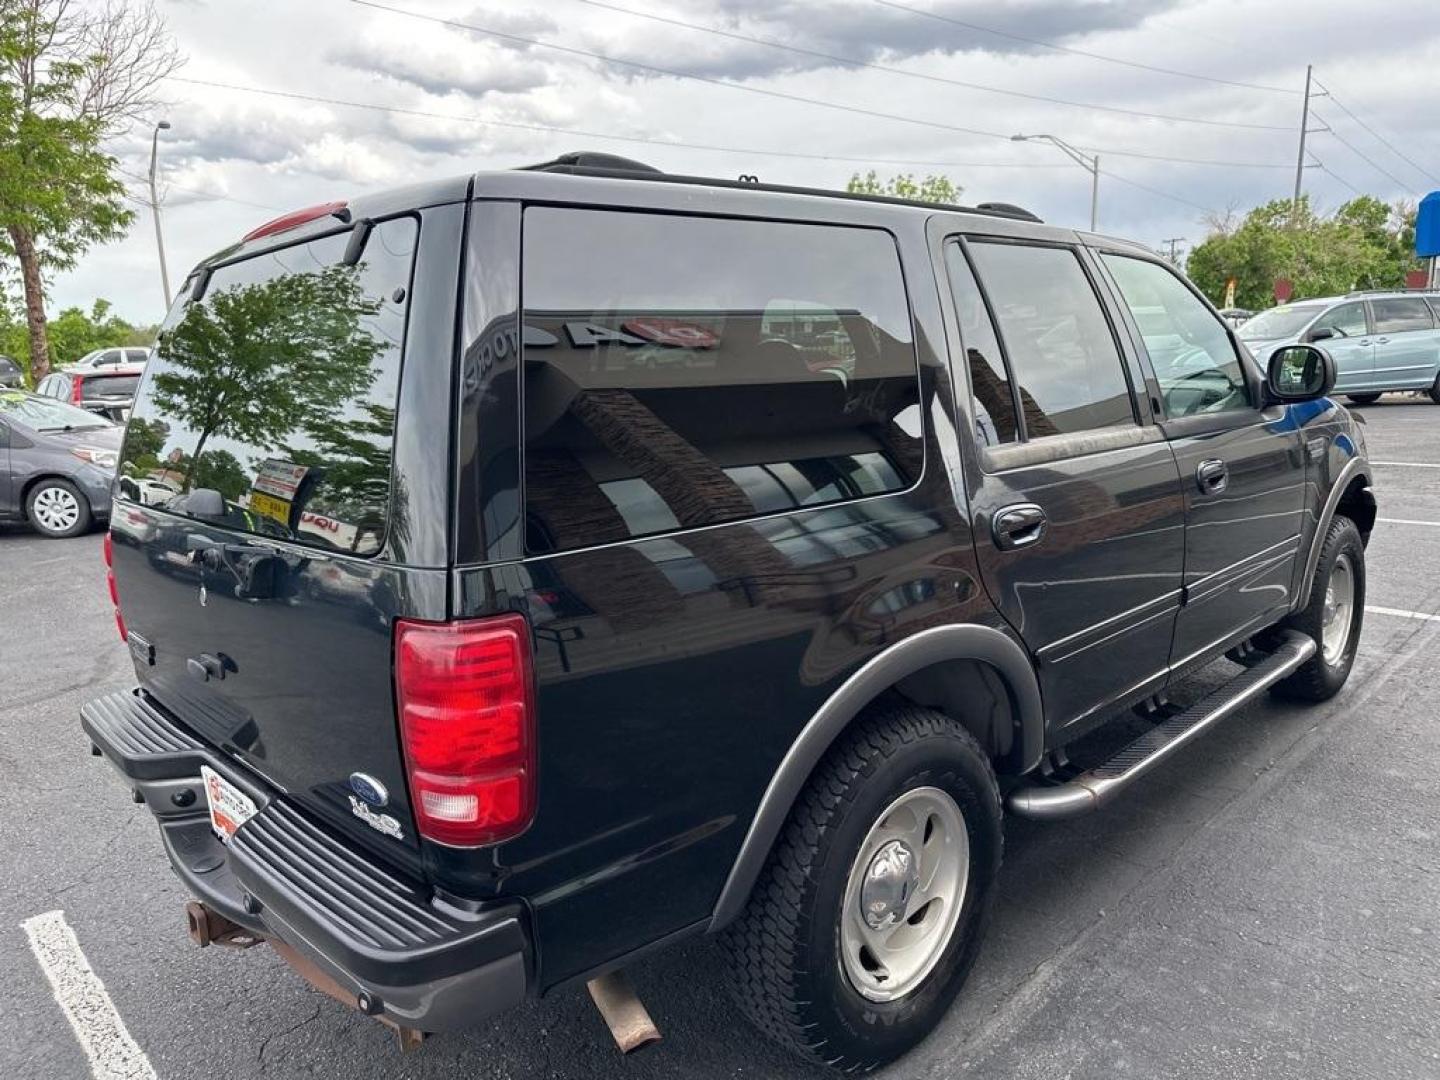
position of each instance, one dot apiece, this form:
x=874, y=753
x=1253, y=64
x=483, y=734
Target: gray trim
x=1050, y=448
x=920, y=650
x=1322, y=526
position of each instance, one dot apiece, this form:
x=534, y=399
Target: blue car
x=57, y=463
x=1380, y=340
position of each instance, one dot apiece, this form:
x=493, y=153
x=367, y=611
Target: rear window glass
x=110, y=386
x=277, y=391
x=1401, y=313
x=681, y=372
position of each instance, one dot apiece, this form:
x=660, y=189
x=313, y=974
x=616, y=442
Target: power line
x=764, y=92
x=832, y=57
x=1082, y=52
x=583, y=133
x=1329, y=129
x=1335, y=176
x=1428, y=174
x=1156, y=191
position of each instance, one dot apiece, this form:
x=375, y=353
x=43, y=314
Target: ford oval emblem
x=369, y=789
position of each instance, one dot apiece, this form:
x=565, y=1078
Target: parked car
x=1380, y=340
x=111, y=357
x=109, y=391
x=10, y=373
x=621, y=651
x=57, y=463
x=1236, y=316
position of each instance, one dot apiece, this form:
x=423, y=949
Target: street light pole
x=1089, y=162
x=163, y=125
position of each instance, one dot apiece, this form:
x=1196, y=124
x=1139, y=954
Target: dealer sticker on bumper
x=229, y=806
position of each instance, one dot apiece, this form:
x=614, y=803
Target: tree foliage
x=73, y=333
x=1365, y=244
x=936, y=189
x=70, y=77
x=256, y=362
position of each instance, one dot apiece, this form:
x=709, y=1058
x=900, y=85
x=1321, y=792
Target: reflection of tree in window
x=255, y=362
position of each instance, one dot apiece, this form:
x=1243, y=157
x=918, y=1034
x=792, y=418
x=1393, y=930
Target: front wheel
x=56, y=508
x=1332, y=616
x=1435, y=390
x=870, y=910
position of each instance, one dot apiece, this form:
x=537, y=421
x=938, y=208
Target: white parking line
x=1407, y=521
x=79, y=992
x=1401, y=613
x=1409, y=464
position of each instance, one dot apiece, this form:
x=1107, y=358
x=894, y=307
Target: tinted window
x=686, y=371
x=7, y=365
x=277, y=389
x=1399, y=314
x=992, y=401
x=111, y=386
x=111, y=356
x=1347, y=320
x=1190, y=349
x=1057, y=339
x=136, y=356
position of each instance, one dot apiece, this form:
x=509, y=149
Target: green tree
x=257, y=362
x=1365, y=244
x=70, y=77
x=935, y=189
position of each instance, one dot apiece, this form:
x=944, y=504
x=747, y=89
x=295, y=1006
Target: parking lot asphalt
x=1267, y=905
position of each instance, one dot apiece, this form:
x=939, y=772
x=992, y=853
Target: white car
x=106, y=357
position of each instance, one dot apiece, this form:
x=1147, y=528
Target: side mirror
x=1320, y=333
x=1299, y=373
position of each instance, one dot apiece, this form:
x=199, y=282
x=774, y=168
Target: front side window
x=277, y=391
x=1278, y=322
x=1345, y=321
x=1064, y=358
x=1401, y=313
x=1189, y=348
x=683, y=371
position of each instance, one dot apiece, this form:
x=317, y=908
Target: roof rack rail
x=589, y=163
x=1398, y=292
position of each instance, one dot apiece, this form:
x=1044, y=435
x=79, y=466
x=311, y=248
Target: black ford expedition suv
x=527, y=571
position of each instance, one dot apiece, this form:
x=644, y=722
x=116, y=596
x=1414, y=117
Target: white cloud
x=283, y=153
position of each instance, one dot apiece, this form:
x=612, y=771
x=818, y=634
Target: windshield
x=1280, y=322
x=47, y=414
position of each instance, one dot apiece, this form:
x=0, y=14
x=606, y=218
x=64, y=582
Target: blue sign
x=1427, y=226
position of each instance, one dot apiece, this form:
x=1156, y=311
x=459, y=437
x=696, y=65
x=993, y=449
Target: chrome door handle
x=1017, y=526
x=1382, y=341
x=1212, y=476
x=1363, y=341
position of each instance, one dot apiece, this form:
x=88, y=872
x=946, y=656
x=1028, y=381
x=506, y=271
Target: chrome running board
x=1093, y=789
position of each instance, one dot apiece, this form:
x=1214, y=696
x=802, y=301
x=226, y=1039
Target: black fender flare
x=934, y=645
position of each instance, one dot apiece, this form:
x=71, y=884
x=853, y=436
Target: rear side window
x=990, y=390
x=1061, y=351
x=682, y=372
x=1401, y=313
x=276, y=392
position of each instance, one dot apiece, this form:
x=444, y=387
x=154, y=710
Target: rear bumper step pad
x=1093, y=789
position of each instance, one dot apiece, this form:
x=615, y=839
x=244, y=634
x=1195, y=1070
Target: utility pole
x=1173, y=241
x=1300, y=160
x=163, y=125
x=1089, y=162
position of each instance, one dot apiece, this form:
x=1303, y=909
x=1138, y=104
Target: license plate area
x=229, y=806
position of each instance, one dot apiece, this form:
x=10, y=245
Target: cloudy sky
x=426, y=88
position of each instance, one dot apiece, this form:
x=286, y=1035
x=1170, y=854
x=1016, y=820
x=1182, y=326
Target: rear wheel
x=870, y=910
x=1363, y=399
x=1332, y=616
x=57, y=509
x=1435, y=390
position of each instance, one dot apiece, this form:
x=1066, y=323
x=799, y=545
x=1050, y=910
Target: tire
x=1321, y=677
x=789, y=968
x=1435, y=390
x=1363, y=399
x=57, y=509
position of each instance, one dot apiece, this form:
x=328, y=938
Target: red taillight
x=294, y=220
x=467, y=726
x=108, y=547
x=76, y=381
